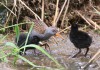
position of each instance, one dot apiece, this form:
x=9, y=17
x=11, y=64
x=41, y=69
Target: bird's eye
x=54, y=30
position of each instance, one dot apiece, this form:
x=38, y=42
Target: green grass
x=97, y=31
x=14, y=50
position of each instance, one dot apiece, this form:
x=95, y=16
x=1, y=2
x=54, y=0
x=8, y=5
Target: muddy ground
x=63, y=52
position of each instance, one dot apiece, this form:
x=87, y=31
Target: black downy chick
x=80, y=39
x=31, y=40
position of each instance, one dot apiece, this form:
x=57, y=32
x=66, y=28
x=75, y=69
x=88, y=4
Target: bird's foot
x=74, y=56
x=22, y=53
x=47, y=47
x=88, y=56
x=37, y=53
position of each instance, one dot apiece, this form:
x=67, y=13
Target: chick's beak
x=59, y=35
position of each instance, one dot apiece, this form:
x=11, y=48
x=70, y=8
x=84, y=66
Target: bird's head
x=74, y=26
x=53, y=31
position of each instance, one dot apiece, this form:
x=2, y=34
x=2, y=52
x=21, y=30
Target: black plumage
x=31, y=40
x=80, y=39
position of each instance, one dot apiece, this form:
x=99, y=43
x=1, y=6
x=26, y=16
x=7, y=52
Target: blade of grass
x=17, y=55
x=42, y=50
x=2, y=54
x=29, y=34
x=15, y=25
x=28, y=61
x=17, y=31
x=3, y=37
x=11, y=45
x=34, y=46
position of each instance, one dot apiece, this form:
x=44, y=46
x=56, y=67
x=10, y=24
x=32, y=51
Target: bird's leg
x=86, y=51
x=35, y=52
x=46, y=45
x=77, y=53
x=21, y=52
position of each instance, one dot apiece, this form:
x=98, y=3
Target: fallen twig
x=92, y=59
x=8, y=9
x=88, y=20
x=64, y=29
x=93, y=23
x=61, y=11
x=42, y=15
x=56, y=13
x=65, y=13
x=82, y=17
x=11, y=12
x=36, y=16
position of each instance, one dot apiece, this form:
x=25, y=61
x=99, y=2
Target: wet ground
x=63, y=52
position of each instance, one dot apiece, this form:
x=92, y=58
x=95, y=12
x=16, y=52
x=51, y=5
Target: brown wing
x=39, y=26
